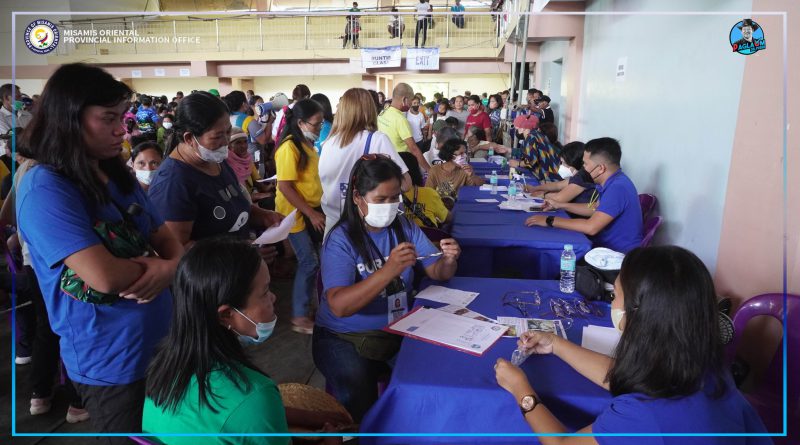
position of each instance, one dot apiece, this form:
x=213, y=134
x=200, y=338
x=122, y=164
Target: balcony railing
x=281, y=32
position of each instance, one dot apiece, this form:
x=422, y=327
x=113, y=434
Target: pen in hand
x=429, y=256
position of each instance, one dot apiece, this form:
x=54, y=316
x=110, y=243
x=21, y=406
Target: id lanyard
x=395, y=293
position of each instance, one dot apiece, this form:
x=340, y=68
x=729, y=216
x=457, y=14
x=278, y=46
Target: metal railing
x=285, y=32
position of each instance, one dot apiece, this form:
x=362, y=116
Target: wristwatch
x=528, y=403
x=550, y=220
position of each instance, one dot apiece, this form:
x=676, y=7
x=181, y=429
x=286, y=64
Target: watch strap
x=550, y=220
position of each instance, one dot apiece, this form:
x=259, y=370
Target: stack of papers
x=487, y=201
x=518, y=326
x=464, y=312
x=448, y=296
x=477, y=159
x=600, y=339
x=498, y=176
x=453, y=331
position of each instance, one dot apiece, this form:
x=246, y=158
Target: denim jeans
x=305, y=280
x=352, y=379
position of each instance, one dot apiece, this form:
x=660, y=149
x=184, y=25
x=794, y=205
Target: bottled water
x=491, y=152
x=493, y=181
x=567, y=283
x=512, y=190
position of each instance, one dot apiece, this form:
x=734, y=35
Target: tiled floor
x=286, y=357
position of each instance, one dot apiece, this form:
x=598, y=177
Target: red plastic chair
x=647, y=202
x=767, y=398
x=650, y=227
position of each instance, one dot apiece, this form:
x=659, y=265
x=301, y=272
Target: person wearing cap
x=748, y=27
x=614, y=216
x=241, y=161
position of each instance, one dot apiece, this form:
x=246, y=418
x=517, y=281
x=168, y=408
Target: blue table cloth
x=485, y=168
x=436, y=390
x=496, y=243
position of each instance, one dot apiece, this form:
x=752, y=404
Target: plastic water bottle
x=491, y=152
x=512, y=190
x=493, y=181
x=567, y=283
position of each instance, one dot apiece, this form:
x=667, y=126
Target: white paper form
x=464, y=334
x=488, y=188
x=600, y=339
x=487, y=201
x=447, y=295
x=279, y=233
x=464, y=312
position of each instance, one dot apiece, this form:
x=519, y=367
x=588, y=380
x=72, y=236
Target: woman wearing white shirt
x=354, y=134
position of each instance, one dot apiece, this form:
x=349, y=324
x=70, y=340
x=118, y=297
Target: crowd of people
x=135, y=217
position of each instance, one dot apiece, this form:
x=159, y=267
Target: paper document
x=477, y=160
x=488, y=188
x=489, y=200
x=517, y=326
x=461, y=333
x=464, y=312
x=447, y=295
x=279, y=233
x=498, y=176
x=600, y=339
x=271, y=178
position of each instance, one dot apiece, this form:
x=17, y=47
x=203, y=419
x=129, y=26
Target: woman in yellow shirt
x=299, y=187
x=423, y=205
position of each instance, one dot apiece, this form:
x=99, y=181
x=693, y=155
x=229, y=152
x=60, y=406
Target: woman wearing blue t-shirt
x=78, y=210
x=367, y=279
x=195, y=190
x=667, y=376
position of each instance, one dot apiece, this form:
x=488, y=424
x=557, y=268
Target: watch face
x=527, y=403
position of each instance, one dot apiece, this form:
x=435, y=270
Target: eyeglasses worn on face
x=317, y=125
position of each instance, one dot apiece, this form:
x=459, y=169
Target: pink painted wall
x=750, y=258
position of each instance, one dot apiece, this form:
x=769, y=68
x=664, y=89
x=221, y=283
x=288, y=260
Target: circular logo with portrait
x=747, y=37
x=41, y=36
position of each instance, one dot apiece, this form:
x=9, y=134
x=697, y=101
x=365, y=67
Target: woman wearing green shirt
x=200, y=380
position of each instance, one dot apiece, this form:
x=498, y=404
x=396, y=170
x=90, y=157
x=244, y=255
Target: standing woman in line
x=78, y=209
x=299, y=188
x=195, y=190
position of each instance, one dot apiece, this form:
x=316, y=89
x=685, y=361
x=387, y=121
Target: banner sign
x=422, y=58
x=387, y=57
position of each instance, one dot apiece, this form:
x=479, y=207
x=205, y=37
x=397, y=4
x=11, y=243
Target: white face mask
x=218, y=156
x=145, y=176
x=311, y=136
x=564, y=172
x=460, y=159
x=167, y=125
x=616, y=317
x=381, y=215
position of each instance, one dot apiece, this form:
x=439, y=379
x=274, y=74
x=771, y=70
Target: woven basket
x=308, y=398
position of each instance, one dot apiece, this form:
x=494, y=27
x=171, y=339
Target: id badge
x=398, y=306
x=396, y=299
x=342, y=195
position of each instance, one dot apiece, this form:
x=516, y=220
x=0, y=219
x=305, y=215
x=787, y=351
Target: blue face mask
x=263, y=330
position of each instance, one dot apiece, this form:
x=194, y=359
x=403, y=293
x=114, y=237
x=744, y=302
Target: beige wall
x=750, y=259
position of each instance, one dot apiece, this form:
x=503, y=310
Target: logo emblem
x=41, y=36
x=747, y=37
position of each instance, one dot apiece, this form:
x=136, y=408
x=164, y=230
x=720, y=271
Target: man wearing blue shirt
x=458, y=19
x=614, y=215
x=146, y=116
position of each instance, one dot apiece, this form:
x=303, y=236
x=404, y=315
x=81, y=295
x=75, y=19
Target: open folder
x=449, y=330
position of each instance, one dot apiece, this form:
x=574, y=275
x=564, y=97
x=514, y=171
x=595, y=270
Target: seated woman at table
x=454, y=172
x=367, y=275
x=422, y=204
x=577, y=185
x=478, y=146
x=667, y=375
x=200, y=380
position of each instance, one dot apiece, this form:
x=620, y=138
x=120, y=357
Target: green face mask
x=18, y=105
